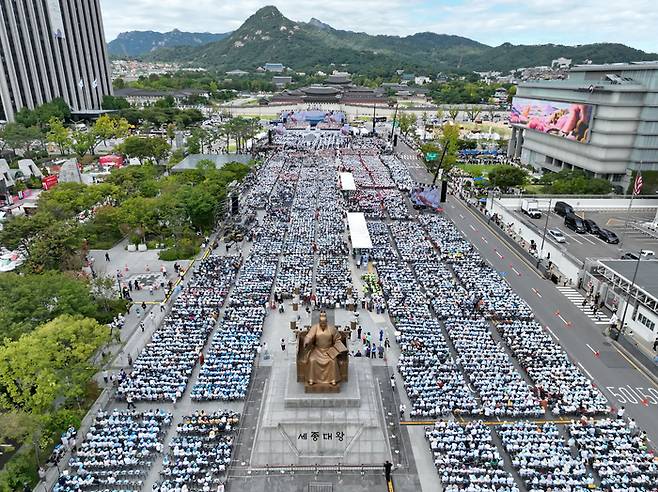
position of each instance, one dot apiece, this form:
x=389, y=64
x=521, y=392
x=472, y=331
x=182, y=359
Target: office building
x=603, y=119
x=50, y=49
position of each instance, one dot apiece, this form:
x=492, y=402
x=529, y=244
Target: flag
x=94, y=84
x=81, y=84
x=637, y=187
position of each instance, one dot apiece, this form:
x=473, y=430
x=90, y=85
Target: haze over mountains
x=268, y=36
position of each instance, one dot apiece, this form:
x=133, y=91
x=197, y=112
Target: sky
x=493, y=22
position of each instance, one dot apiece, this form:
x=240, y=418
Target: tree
x=472, y=112
x=453, y=111
x=407, y=122
x=144, y=148
x=105, y=128
x=29, y=300
x=20, y=138
x=440, y=113
x=114, y=103
x=82, y=142
x=449, y=140
x=41, y=115
x=59, y=135
x=505, y=177
x=575, y=182
x=51, y=363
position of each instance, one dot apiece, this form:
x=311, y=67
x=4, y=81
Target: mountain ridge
x=137, y=43
x=268, y=36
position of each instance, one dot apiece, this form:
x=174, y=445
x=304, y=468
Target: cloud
x=490, y=21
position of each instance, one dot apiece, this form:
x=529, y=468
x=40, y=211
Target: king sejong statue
x=321, y=353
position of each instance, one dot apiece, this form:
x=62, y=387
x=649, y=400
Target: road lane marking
x=551, y=332
x=485, y=241
x=499, y=255
x=536, y=292
x=572, y=237
x=473, y=228
x=566, y=323
x=586, y=371
x=516, y=271
x=462, y=216
x=588, y=240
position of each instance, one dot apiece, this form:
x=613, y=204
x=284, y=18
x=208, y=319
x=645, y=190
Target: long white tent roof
x=359, y=230
x=347, y=182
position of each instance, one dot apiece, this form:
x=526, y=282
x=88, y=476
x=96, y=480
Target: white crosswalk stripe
x=577, y=299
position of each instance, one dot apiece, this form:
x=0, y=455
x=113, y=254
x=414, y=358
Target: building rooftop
x=647, y=273
x=220, y=160
x=643, y=65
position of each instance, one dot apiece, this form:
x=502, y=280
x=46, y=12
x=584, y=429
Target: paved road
x=588, y=246
x=621, y=382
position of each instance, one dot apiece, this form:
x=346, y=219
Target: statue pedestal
x=301, y=428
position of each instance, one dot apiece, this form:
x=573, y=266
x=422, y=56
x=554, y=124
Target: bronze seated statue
x=322, y=357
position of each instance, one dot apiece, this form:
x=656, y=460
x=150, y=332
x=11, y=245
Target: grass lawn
x=477, y=170
x=535, y=189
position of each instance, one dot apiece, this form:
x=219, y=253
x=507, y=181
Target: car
x=608, y=236
x=631, y=255
x=575, y=223
x=591, y=226
x=557, y=235
x=563, y=209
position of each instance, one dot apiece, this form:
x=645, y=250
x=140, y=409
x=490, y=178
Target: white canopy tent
x=359, y=230
x=347, y=182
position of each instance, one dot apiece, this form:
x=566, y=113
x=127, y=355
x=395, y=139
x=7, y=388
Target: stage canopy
x=347, y=182
x=359, y=230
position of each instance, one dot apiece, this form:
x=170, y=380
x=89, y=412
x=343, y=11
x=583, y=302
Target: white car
x=557, y=235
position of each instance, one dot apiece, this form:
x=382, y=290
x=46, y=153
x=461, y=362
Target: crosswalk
x=577, y=299
x=408, y=157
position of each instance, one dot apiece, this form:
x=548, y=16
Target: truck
x=530, y=208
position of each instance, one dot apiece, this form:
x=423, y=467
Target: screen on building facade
x=568, y=120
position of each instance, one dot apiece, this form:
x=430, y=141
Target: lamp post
x=543, y=238
x=628, y=299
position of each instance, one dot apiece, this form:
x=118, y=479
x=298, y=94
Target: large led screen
x=568, y=120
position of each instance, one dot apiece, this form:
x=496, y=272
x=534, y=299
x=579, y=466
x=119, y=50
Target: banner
x=567, y=120
x=56, y=20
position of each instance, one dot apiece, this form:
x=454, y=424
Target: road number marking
x=634, y=395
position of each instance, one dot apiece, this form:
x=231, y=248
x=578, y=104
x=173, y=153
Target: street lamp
x=628, y=300
x=543, y=238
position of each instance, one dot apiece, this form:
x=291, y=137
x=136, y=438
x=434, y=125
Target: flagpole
x=630, y=204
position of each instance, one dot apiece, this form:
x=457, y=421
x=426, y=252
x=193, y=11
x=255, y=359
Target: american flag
x=637, y=187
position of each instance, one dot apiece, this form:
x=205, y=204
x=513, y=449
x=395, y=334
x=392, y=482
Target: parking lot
x=590, y=246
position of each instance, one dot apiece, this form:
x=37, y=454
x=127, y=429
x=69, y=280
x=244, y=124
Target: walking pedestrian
x=358, y=333
x=144, y=305
x=381, y=335
x=130, y=360
x=201, y=358
x=388, y=466
x=393, y=382
x=621, y=412
x=162, y=307
x=387, y=343
x=152, y=317
x=402, y=409
x=283, y=345
x=141, y=326
x=131, y=404
x=655, y=344
x=105, y=376
x=107, y=256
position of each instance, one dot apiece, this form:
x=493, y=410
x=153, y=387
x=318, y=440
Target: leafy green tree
x=21, y=138
x=105, y=128
x=52, y=362
x=145, y=148
x=114, y=103
x=505, y=177
x=59, y=135
x=574, y=182
x=472, y=112
x=407, y=122
x=453, y=111
x=29, y=300
x=82, y=142
x=449, y=139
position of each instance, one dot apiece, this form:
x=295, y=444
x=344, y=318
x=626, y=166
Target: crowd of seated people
x=117, y=451
x=618, y=453
x=162, y=369
x=542, y=458
x=399, y=172
x=467, y=459
x=557, y=380
x=200, y=453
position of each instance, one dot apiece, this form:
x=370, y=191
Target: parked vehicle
x=562, y=209
x=557, y=235
x=530, y=208
x=575, y=223
x=591, y=226
x=608, y=236
x=631, y=255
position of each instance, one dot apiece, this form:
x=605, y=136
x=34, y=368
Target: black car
x=591, y=227
x=608, y=236
x=563, y=209
x=630, y=256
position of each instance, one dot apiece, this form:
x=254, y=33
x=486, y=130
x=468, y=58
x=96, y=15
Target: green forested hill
x=268, y=36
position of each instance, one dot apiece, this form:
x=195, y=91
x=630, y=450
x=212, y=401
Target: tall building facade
x=619, y=133
x=50, y=49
